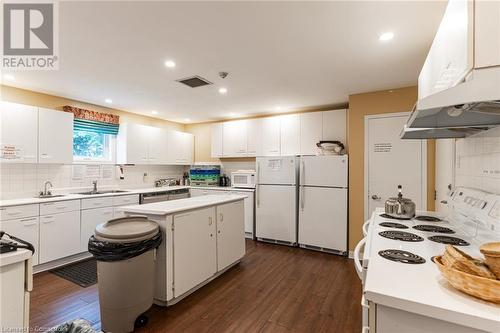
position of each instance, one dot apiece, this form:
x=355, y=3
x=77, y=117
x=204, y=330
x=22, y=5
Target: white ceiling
x=290, y=54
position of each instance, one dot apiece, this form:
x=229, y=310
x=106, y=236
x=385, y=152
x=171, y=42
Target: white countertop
x=14, y=257
x=76, y=196
x=421, y=288
x=180, y=205
x=223, y=188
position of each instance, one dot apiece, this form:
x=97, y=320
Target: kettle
x=399, y=207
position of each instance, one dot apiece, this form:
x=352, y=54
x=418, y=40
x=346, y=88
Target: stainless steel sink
x=102, y=192
x=48, y=196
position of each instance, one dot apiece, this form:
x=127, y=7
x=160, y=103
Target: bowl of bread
x=473, y=276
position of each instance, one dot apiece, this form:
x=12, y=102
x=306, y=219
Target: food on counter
x=461, y=261
x=491, y=252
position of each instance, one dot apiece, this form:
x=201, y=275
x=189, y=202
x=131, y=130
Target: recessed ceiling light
x=232, y=114
x=9, y=77
x=170, y=63
x=222, y=90
x=154, y=112
x=187, y=120
x=386, y=36
x=108, y=100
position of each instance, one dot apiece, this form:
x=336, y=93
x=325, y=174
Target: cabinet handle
x=221, y=217
x=14, y=213
x=210, y=222
x=47, y=221
x=27, y=220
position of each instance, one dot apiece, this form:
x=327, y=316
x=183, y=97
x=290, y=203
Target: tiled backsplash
x=22, y=180
x=478, y=161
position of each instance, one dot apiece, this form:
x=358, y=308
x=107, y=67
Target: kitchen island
x=202, y=238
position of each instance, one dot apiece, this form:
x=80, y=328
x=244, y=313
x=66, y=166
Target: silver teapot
x=399, y=207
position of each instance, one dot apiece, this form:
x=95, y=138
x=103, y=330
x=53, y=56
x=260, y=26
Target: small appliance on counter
x=243, y=179
x=204, y=175
x=224, y=181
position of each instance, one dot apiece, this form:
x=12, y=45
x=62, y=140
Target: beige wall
x=360, y=105
x=22, y=96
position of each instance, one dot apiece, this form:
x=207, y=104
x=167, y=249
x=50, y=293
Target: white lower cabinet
x=194, y=249
x=230, y=233
x=59, y=236
x=26, y=229
x=91, y=218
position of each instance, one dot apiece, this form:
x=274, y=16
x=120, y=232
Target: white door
x=234, y=135
x=216, y=137
x=18, y=133
x=132, y=144
x=195, y=249
x=275, y=213
x=335, y=125
x=323, y=217
x=270, y=136
x=157, y=145
x=311, y=132
x=290, y=134
x=392, y=161
x=445, y=170
x=55, y=136
x=230, y=233
x=276, y=170
x=91, y=218
x=254, y=137
x=249, y=208
x=59, y=236
x=25, y=229
x=324, y=171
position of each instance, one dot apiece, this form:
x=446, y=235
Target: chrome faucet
x=95, y=186
x=46, y=192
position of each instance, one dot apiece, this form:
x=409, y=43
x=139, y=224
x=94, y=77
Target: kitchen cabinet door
x=216, y=140
x=290, y=134
x=254, y=137
x=311, y=132
x=55, y=136
x=334, y=125
x=91, y=218
x=195, y=253
x=230, y=233
x=486, y=33
x=270, y=136
x=26, y=229
x=450, y=57
x=234, y=135
x=18, y=133
x=188, y=145
x=132, y=144
x=180, y=148
x=157, y=145
x=249, y=212
x=59, y=236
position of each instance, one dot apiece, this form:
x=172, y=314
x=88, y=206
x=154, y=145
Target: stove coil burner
x=401, y=235
x=385, y=216
x=448, y=240
x=427, y=218
x=393, y=225
x=401, y=256
x=433, y=228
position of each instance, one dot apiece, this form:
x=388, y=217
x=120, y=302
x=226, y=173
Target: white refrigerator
x=276, y=199
x=323, y=203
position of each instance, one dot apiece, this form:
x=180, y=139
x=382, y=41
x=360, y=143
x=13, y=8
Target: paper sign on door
x=274, y=164
x=10, y=152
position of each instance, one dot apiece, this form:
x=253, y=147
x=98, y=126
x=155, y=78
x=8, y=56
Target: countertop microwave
x=243, y=179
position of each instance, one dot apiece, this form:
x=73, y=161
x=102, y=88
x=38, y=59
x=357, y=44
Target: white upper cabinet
x=270, y=136
x=216, y=137
x=157, y=145
x=450, y=57
x=487, y=34
x=311, y=132
x=254, y=137
x=234, y=135
x=55, y=136
x=290, y=134
x=18, y=133
x=180, y=148
x=132, y=144
x=334, y=125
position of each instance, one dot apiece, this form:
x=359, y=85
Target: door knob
x=376, y=197
x=444, y=202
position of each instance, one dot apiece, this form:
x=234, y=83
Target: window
x=92, y=146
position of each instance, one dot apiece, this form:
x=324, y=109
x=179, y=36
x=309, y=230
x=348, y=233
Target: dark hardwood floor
x=274, y=289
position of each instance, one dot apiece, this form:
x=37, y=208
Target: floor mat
x=83, y=273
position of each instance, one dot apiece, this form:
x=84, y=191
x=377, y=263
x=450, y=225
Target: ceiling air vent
x=195, y=81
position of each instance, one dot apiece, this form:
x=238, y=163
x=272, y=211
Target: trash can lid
x=126, y=229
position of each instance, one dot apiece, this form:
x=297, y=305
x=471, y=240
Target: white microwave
x=243, y=179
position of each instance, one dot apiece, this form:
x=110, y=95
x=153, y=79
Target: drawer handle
x=47, y=221
x=62, y=207
x=97, y=204
x=14, y=213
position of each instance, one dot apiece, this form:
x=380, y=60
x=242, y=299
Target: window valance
x=92, y=121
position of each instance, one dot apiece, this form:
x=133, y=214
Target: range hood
x=465, y=109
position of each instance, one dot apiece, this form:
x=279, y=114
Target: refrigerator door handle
x=303, y=173
x=302, y=197
x=257, y=187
